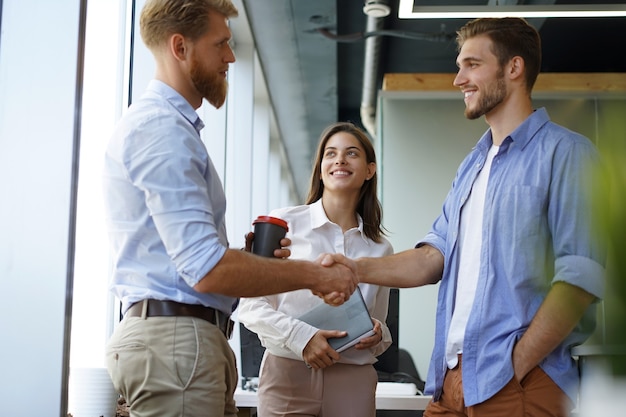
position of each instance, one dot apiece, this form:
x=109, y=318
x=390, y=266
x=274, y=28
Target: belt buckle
x=228, y=331
x=224, y=323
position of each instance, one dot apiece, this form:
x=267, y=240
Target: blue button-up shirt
x=537, y=230
x=164, y=203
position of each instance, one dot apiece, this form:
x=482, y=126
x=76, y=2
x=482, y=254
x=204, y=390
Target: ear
x=516, y=67
x=178, y=47
x=371, y=170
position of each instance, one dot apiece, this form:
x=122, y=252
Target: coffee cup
x=268, y=231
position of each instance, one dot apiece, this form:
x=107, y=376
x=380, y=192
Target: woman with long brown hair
x=301, y=374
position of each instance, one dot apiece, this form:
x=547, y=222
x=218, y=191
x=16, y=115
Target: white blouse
x=272, y=317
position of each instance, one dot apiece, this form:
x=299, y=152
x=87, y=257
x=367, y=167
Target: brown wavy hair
x=369, y=206
x=511, y=36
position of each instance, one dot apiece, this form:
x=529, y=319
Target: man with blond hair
x=177, y=280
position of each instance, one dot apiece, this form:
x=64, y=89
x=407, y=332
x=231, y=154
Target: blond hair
x=162, y=18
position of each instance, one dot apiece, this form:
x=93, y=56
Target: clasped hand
x=338, y=279
x=345, y=266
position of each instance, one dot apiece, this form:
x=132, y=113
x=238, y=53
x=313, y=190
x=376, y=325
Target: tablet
x=352, y=316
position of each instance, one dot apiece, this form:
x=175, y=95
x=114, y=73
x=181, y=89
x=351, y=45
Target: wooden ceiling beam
x=548, y=82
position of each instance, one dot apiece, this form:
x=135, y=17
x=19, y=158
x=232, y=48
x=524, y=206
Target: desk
x=247, y=402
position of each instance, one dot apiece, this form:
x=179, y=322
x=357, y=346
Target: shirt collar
x=523, y=134
x=177, y=101
x=529, y=127
x=319, y=218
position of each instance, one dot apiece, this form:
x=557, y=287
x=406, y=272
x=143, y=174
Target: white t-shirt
x=470, y=244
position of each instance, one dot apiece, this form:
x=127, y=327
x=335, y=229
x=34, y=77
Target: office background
x=52, y=128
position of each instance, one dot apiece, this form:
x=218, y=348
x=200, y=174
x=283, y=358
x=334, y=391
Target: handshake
x=334, y=277
x=336, y=291
x=334, y=283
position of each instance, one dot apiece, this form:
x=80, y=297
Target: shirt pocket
x=522, y=213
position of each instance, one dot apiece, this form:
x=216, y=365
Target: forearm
x=562, y=309
x=410, y=268
x=241, y=274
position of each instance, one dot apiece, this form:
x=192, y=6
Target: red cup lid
x=273, y=220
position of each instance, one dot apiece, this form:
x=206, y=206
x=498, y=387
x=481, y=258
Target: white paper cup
x=91, y=393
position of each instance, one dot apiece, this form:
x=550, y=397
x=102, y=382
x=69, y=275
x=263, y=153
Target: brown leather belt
x=160, y=308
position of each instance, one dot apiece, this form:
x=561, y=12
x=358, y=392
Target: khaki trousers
x=173, y=367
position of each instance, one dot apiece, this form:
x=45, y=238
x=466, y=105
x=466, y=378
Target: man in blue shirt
x=514, y=248
x=172, y=270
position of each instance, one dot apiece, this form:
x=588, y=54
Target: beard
x=491, y=97
x=212, y=86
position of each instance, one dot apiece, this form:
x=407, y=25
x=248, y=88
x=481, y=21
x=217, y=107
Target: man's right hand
x=339, y=279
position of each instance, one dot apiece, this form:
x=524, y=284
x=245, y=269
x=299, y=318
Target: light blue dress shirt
x=537, y=230
x=164, y=203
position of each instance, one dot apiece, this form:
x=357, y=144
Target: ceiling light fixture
x=408, y=9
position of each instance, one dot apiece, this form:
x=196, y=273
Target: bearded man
x=172, y=270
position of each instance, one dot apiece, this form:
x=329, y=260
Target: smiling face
x=480, y=77
x=344, y=164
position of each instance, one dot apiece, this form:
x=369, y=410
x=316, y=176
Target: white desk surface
x=248, y=399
